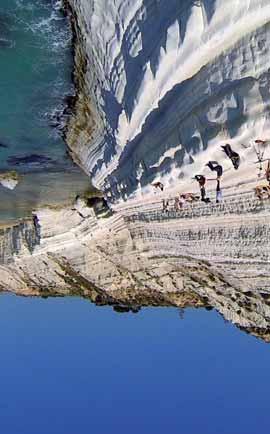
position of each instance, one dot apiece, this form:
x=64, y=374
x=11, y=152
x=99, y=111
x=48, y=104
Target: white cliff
x=160, y=86
x=204, y=256
x=166, y=84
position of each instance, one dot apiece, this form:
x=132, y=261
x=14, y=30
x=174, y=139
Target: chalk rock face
x=200, y=256
x=161, y=83
x=21, y=238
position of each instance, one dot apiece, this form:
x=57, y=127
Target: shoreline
x=65, y=191
x=38, y=190
x=207, y=255
x=81, y=120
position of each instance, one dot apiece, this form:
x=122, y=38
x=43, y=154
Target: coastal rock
x=159, y=87
x=9, y=179
x=162, y=84
x=142, y=257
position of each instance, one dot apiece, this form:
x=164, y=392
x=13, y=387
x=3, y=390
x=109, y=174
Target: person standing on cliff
x=165, y=205
x=233, y=156
x=218, y=192
x=215, y=167
x=201, y=180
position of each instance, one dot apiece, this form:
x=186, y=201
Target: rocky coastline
x=82, y=121
x=213, y=256
x=140, y=257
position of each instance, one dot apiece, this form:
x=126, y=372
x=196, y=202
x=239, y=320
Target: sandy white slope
x=169, y=82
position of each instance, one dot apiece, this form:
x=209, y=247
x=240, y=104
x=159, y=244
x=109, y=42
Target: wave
x=47, y=22
x=41, y=35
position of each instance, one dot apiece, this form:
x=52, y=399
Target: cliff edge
x=161, y=85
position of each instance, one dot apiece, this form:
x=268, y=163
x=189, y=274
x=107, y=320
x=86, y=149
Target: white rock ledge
x=141, y=256
x=161, y=85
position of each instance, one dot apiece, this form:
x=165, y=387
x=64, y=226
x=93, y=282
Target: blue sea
x=36, y=66
x=35, y=77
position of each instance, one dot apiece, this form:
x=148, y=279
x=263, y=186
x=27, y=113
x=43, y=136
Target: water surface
x=35, y=77
x=35, y=81
x=41, y=189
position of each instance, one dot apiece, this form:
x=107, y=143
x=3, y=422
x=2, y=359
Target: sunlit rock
x=161, y=85
x=9, y=180
x=139, y=256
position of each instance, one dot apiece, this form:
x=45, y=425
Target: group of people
x=179, y=201
x=261, y=191
x=214, y=166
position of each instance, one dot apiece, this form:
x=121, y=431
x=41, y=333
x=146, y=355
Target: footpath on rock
x=205, y=255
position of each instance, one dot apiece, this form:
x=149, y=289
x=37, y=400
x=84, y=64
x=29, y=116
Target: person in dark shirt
x=215, y=167
x=201, y=180
x=233, y=156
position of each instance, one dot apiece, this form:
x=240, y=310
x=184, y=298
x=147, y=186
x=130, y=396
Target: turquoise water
x=35, y=77
x=68, y=367
x=40, y=189
x=35, y=80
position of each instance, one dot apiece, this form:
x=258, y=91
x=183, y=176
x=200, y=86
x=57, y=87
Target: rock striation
x=160, y=84
x=140, y=256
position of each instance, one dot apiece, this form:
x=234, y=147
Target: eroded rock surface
x=161, y=85
x=141, y=256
